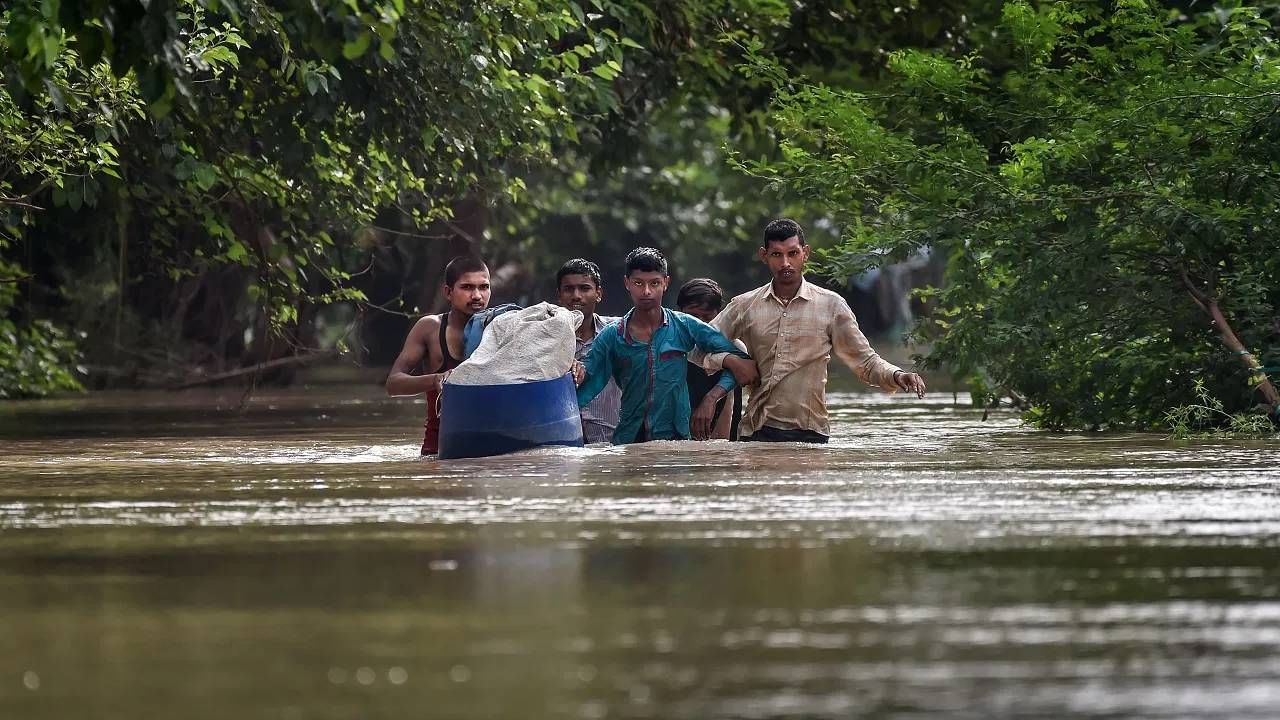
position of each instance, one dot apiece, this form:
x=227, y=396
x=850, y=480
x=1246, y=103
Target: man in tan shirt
x=791, y=327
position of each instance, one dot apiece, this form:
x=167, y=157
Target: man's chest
x=659, y=354
x=452, y=347
x=638, y=334
x=773, y=328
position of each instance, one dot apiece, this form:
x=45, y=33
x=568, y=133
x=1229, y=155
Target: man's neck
x=587, y=329
x=787, y=292
x=458, y=319
x=648, y=318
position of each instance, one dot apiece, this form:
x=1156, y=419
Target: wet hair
x=781, y=230
x=701, y=292
x=578, y=266
x=645, y=259
x=462, y=265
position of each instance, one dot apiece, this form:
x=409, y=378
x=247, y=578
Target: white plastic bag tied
x=536, y=343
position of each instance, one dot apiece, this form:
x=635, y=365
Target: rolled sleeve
x=852, y=347
x=710, y=340
x=726, y=323
x=728, y=382
x=711, y=362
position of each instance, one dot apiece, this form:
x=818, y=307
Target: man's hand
x=744, y=371
x=703, y=418
x=911, y=382
x=579, y=373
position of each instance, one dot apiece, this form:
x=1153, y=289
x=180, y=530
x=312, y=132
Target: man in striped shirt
x=791, y=328
x=578, y=288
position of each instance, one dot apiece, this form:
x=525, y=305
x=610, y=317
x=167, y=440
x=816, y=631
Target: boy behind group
x=703, y=299
x=578, y=288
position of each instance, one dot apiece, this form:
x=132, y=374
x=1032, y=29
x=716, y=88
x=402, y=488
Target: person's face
x=580, y=292
x=705, y=313
x=646, y=289
x=470, y=294
x=785, y=259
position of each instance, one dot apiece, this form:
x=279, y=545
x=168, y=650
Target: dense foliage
x=1102, y=177
x=219, y=171
x=195, y=186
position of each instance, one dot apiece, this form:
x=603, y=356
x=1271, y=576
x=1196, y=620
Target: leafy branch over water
x=1207, y=417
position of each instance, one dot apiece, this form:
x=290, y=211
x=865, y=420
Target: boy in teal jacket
x=645, y=353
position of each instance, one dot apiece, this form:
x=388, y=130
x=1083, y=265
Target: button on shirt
x=791, y=342
x=600, y=416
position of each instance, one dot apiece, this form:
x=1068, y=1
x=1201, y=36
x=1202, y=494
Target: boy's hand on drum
x=579, y=373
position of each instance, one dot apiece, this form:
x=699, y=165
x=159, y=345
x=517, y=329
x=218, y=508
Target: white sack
x=536, y=343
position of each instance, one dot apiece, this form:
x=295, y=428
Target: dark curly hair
x=646, y=259
x=701, y=292
x=781, y=229
x=578, y=266
x=462, y=265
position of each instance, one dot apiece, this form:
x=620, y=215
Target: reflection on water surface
x=170, y=556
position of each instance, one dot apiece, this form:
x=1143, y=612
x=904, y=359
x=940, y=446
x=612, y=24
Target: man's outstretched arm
x=851, y=346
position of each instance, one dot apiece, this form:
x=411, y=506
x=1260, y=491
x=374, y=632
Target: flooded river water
x=166, y=556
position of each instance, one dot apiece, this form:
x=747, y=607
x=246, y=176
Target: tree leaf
x=357, y=47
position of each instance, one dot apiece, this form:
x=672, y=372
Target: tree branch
x=254, y=370
x=19, y=203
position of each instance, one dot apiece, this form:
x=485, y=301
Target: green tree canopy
x=230, y=157
x=1102, y=177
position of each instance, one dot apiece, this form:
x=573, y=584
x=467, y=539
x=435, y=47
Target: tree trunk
x=1209, y=304
x=122, y=261
x=407, y=271
x=1231, y=341
x=254, y=370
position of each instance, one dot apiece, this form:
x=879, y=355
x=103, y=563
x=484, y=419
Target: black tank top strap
x=448, y=361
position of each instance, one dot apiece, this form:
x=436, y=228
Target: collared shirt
x=652, y=375
x=791, y=342
x=600, y=416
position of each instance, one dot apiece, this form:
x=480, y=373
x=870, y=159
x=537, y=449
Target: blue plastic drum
x=483, y=420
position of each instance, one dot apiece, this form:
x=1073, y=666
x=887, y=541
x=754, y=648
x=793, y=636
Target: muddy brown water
x=167, y=556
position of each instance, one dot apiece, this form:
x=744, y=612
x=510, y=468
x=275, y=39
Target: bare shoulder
x=426, y=323
x=426, y=328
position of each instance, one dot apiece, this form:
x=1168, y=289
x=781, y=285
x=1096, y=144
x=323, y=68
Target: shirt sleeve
x=726, y=323
x=848, y=342
x=599, y=366
x=710, y=340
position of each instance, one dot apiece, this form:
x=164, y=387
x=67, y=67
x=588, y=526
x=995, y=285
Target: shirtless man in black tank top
x=435, y=344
